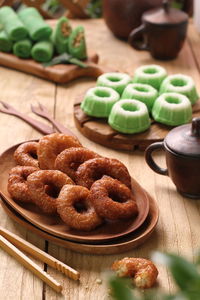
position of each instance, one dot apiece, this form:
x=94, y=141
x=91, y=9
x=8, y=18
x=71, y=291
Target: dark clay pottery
x=182, y=150
x=162, y=33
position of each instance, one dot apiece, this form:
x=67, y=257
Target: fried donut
x=70, y=159
x=45, y=186
x=52, y=145
x=143, y=271
x=95, y=168
x=75, y=209
x=112, y=199
x=17, y=183
x=26, y=154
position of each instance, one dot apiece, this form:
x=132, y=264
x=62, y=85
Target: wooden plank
x=20, y=90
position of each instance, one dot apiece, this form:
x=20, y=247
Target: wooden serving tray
x=121, y=245
x=99, y=131
x=62, y=73
x=53, y=223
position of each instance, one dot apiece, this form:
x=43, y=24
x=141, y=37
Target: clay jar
x=122, y=16
x=182, y=151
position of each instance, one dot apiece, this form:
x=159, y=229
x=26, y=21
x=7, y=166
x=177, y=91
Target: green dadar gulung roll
x=23, y=48
x=5, y=43
x=12, y=25
x=60, y=36
x=77, y=45
x=42, y=51
x=38, y=29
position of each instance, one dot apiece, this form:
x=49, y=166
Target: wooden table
x=178, y=227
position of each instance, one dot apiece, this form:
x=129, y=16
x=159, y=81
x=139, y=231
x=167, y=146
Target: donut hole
x=141, y=89
x=74, y=165
x=116, y=196
x=172, y=100
x=114, y=79
x=150, y=71
x=130, y=107
x=52, y=190
x=33, y=154
x=178, y=82
x=102, y=93
x=80, y=206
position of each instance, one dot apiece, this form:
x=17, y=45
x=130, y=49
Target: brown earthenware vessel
x=182, y=150
x=162, y=33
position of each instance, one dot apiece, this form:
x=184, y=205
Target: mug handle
x=151, y=162
x=135, y=37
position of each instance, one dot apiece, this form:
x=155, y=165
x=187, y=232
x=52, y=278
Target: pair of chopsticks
x=11, y=242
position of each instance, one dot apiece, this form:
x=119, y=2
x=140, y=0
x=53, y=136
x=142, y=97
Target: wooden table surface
x=178, y=228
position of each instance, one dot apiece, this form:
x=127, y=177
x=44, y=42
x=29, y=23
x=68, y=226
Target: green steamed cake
x=172, y=109
x=99, y=101
x=129, y=116
x=142, y=92
x=182, y=84
x=114, y=80
x=150, y=74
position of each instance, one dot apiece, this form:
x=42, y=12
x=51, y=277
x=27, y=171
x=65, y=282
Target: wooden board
x=59, y=73
x=118, y=246
x=99, y=131
x=53, y=223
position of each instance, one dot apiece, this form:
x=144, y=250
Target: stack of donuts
x=62, y=177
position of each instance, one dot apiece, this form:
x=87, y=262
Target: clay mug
x=162, y=33
x=182, y=152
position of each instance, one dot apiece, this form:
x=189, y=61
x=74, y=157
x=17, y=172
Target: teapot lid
x=165, y=15
x=185, y=139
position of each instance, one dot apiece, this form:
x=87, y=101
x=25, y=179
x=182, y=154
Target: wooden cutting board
x=99, y=131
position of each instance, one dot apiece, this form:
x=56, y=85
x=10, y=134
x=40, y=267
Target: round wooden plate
x=120, y=245
x=54, y=225
x=98, y=131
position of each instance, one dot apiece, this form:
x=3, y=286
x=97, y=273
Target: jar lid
x=185, y=139
x=165, y=15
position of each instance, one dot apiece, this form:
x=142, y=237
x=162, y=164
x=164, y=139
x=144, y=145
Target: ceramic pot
x=182, y=152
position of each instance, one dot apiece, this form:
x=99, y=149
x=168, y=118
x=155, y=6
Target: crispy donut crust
x=95, y=168
x=17, y=183
x=45, y=186
x=112, y=199
x=85, y=220
x=26, y=154
x=52, y=145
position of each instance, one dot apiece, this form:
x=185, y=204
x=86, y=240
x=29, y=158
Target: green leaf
x=184, y=273
x=120, y=289
x=77, y=62
x=65, y=58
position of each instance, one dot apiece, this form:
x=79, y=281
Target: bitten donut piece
x=99, y=101
x=129, y=116
x=141, y=92
x=112, y=199
x=17, y=183
x=95, y=168
x=150, y=74
x=52, y=145
x=45, y=186
x=181, y=84
x=75, y=208
x=26, y=154
x=114, y=80
x=70, y=159
x=172, y=109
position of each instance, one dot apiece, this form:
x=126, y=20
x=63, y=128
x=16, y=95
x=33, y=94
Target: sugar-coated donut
x=26, y=154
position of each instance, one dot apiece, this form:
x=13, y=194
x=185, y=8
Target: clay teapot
x=122, y=16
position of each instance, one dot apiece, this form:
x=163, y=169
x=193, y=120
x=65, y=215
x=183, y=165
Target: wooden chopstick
x=41, y=255
x=29, y=264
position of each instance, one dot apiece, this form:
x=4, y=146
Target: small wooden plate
x=99, y=131
x=121, y=245
x=58, y=73
x=54, y=225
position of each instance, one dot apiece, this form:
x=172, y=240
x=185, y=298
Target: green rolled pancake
x=5, y=42
x=61, y=35
x=42, y=51
x=22, y=48
x=38, y=29
x=13, y=26
x=77, y=44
